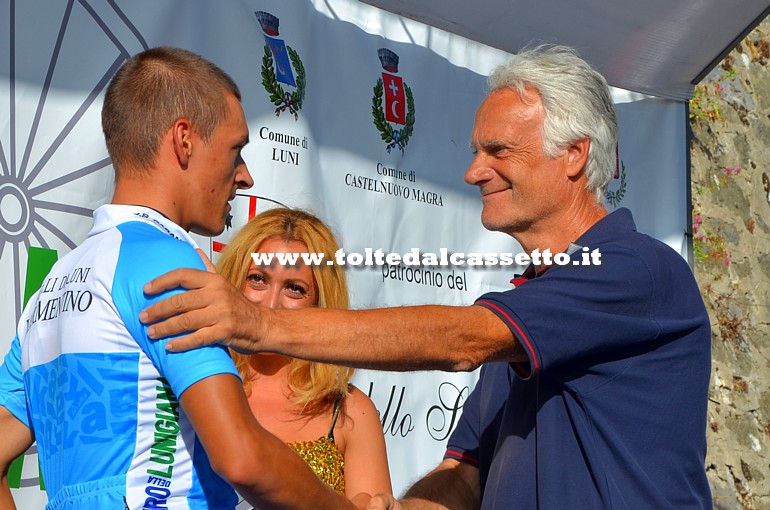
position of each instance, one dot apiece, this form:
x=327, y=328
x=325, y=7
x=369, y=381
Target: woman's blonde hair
x=314, y=385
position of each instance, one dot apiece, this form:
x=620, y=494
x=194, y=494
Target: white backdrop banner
x=356, y=114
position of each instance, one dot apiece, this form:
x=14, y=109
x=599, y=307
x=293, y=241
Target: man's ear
x=181, y=137
x=577, y=156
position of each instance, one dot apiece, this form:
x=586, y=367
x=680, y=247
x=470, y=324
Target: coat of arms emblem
x=280, y=62
x=399, y=103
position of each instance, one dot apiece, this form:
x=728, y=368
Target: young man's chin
x=211, y=230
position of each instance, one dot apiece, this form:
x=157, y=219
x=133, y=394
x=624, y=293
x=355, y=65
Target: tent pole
x=688, y=233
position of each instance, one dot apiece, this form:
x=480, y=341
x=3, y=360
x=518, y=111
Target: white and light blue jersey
x=100, y=396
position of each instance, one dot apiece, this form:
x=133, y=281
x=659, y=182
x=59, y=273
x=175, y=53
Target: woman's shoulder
x=359, y=421
x=358, y=401
x=360, y=413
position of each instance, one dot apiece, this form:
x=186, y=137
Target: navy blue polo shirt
x=610, y=409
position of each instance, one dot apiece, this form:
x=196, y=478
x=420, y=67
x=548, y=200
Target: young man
x=119, y=422
x=595, y=389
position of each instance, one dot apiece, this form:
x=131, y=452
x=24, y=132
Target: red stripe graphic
x=521, y=333
x=462, y=456
x=252, y=207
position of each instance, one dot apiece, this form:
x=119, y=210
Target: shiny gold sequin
x=325, y=458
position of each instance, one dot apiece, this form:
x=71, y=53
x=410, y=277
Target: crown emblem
x=268, y=22
x=388, y=59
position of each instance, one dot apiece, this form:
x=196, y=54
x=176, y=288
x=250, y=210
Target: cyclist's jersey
x=100, y=396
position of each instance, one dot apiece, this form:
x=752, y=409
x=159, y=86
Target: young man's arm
x=453, y=485
x=257, y=464
x=14, y=441
x=408, y=338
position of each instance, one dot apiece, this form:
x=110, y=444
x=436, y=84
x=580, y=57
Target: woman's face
x=281, y=286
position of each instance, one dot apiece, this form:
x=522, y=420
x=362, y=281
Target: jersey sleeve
x=12, y=394
x=145, y=254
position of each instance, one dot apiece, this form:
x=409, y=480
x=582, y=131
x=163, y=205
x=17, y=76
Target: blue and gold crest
x=279, y=64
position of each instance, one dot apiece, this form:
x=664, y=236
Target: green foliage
x=703, y=105
x=280, y=98
x=385, y=129
x=709, y=248
x=614, y=197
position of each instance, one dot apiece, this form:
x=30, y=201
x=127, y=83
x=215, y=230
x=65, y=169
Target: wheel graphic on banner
x=54, y=168
x=51, y=148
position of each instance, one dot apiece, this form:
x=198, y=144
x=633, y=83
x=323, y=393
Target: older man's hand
x=212, y=311
x=384, y=502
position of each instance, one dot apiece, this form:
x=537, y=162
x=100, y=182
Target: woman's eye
x=297, y=289
x=255, y=278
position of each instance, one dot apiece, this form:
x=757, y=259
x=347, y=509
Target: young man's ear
x=181, y=137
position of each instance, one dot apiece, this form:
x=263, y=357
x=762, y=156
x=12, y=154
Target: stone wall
x=730, y=152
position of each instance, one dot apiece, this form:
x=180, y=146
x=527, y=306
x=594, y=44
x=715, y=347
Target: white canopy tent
x=657, y=47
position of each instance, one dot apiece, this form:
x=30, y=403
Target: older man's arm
x=453, y=338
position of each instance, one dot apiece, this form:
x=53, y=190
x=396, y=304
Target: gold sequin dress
x=323, y=456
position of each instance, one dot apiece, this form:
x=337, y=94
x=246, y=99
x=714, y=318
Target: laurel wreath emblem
x=395, y=138
x=615, y=197
x=284, y=100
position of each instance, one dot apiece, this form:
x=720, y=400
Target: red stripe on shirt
x=462, y=456
x=518, y=329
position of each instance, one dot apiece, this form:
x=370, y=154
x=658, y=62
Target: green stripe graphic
x=39, y=264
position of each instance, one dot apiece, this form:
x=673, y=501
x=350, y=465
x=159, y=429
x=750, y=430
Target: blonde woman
x=311, y=406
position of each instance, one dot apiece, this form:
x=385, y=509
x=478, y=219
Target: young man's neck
x=148, y=193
